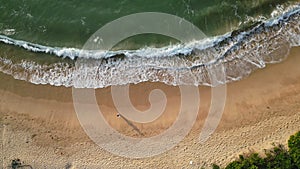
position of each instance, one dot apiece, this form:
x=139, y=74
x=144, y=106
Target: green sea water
x=41, y=41
x=69, y=23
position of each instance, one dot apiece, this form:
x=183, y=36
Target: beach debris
x=68, y=166
x=33, y=135
x=17, y=164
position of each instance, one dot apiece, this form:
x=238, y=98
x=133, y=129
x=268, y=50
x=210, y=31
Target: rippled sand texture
x=40, y=127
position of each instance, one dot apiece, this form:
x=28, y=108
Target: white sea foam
x=241, y=52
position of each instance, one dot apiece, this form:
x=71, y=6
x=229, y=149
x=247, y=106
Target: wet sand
x=39, y=124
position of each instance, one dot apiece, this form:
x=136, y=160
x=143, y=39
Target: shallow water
x=41, y=40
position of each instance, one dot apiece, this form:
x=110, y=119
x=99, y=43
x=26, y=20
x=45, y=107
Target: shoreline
x=263, y=108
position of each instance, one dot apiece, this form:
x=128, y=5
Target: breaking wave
x=240, y=52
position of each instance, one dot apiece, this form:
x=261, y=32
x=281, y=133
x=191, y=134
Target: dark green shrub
x=215, y=166
x=294, y=149
x=234, y=165
x=254, y=161
x=276, y=158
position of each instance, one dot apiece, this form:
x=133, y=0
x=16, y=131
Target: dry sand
x=39, y=125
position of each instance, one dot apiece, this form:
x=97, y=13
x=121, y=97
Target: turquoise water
x=41, y=41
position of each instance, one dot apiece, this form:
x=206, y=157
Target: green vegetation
x=276, y=158
x=294, y=149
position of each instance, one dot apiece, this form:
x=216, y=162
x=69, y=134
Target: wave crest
x=241, y=52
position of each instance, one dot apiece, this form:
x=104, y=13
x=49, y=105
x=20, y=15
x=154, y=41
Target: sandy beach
x=40, y=127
